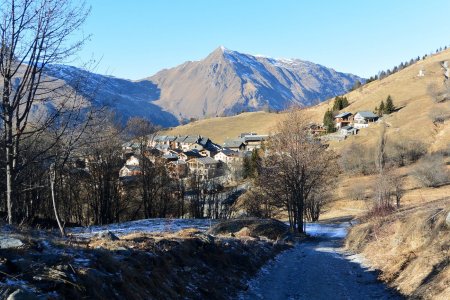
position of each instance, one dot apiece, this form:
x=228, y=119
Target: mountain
x=414, y=120
x=226, y=82
x=125, y=97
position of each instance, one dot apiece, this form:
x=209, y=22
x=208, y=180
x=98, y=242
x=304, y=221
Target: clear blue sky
x=136, y=38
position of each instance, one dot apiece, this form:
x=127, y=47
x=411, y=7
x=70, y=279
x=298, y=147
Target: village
x=192, y=154
x=185, y=155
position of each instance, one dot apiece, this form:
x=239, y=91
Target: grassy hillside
x=220, y=129
x=408, y=91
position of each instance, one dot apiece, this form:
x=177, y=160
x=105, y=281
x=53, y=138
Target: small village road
x=317, y=269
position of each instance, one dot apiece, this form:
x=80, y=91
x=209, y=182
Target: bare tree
x=33, y=34
x=296, y=167
x=439, y=93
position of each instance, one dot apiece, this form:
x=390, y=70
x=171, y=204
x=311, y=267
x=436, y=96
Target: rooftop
x=233, y=143
x=343, y=115
x=206, y=160
x=367, y=114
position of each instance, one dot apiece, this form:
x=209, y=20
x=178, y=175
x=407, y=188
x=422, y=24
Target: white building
x=362, y=119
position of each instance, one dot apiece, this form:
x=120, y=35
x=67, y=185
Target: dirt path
x=317, y=269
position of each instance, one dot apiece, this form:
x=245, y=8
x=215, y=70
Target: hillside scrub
x=411, y=247
x=439, y=114
x=431, y=171
x=439, y=93
x=358, y=159
x=402, y=152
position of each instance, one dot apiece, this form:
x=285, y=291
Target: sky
x=134, y=39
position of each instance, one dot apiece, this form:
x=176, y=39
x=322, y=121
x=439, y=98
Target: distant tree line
x=385, y=73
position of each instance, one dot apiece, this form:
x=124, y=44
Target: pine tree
x=381, y=108
x=328, y=121
x=390, y=107
x=340, y=103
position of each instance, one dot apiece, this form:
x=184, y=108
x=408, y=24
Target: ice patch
x=327, y=230
x=144, y=226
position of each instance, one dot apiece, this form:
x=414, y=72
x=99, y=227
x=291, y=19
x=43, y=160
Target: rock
x=22, y=295
x=9, y=242
x=107, y=235
x=447, y=220
x=245, y=231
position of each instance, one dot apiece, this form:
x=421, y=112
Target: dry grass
x=220, y=129
x=411, y=248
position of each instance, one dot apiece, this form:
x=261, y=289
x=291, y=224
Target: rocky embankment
x=189, y=264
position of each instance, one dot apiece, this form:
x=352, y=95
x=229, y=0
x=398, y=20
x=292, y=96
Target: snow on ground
x=327, y=230
x=144, y=226
x=317, y=269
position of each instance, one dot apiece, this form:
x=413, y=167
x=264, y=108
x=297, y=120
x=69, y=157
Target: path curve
x=317, y=269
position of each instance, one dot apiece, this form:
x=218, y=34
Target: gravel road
x=317, y=269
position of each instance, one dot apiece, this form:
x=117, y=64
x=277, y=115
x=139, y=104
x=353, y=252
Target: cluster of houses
x=346, y=124
x=349, y=124
x=190, y=154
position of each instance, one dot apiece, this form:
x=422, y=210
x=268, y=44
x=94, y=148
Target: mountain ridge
x=224, y=83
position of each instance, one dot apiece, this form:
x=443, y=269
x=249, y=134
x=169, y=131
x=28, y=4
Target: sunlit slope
x=408, y=90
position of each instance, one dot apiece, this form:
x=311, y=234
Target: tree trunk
x=9, y=170
x=55, y=210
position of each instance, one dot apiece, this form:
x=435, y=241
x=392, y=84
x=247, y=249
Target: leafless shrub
x=358, y=159
x=439, y=93
x=314, y=204
x=388, y=192
x=431, y=171
x=256, y=204
x=357, y=191
x=439, y=115
x=403, y=152
x=446, y=151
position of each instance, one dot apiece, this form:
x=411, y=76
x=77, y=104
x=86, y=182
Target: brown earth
x=189, y=265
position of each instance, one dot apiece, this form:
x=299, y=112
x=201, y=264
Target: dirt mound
x=269, y=228
x=185, y=265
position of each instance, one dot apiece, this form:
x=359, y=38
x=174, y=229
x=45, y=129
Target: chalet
x=254, y=141
x=206, y=152
x=316, y=129
x=362, y=119
x=129, y=171
x=236, y=145
x=228, y=156
x=177, y=169
x=133, y=160
x=343, y=119
x=189, y=141
x=205, y=167
x=178, y=140
x=348, y=130
x=170, y=156
x=186, y=155
x=196, y=146
x=163, y=147
x=160, y=140
x=244, y=134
